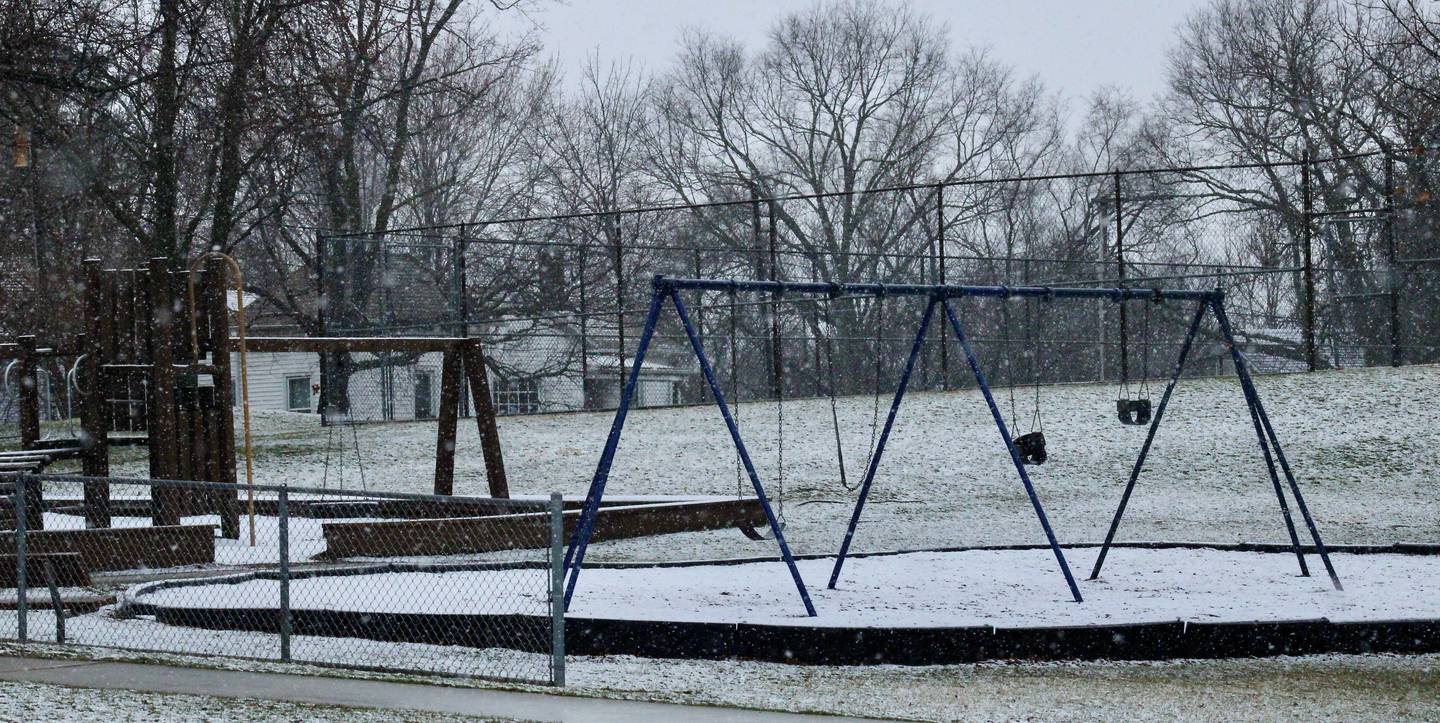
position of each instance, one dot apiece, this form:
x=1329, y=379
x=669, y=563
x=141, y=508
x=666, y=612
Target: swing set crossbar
x=942, y=291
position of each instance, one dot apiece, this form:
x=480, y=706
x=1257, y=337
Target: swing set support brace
x=580, y=540
x=1265, y=436
x=980, y=381
x=1149, y=437
x=1252, y=397
x=974, y=363
x=880, y=446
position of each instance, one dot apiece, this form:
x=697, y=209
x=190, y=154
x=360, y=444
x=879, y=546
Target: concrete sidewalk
x=111, y=675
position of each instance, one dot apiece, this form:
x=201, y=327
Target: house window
x=516, y=395
x=424, y=405
x=297, y=394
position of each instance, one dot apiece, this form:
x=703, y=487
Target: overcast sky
x=1075, y=46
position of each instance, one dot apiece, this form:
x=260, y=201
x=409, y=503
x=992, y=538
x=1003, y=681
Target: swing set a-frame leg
x=880, y=445
x=1279, y=493
x=1265, y=435
x=1149, y=438
x=1252, y=398
x=1010, y=445
x=585, y=526
x=734, y=428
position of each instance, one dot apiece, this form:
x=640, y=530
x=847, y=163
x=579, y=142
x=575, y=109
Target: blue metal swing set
x=665, y=288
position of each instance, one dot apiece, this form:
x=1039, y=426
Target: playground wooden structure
x=153, y=368
x=156, y=361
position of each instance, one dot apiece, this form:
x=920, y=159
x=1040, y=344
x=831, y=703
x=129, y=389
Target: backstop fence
x=377, y=581
x=1327, y=263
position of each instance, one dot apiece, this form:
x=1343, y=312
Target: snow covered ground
x=1331, y=687
x=1013, y=588
x=37, y=701
x=1364, y=443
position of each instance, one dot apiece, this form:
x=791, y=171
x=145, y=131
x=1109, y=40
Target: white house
x=531, y=371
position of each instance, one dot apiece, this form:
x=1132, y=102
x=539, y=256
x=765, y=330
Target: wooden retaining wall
x=464, y=535
x=124, y=548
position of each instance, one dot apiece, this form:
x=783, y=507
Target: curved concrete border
x=823, y=645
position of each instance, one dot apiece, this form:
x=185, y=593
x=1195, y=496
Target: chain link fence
x=1330, y=263
x=389, y=582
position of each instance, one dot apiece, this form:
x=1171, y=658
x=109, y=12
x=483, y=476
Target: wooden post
x=94, y=411
x=474, y=361
x=449, y=416
x=29, y=391
x=212, y=301
x=160, y=414
x=30, y=429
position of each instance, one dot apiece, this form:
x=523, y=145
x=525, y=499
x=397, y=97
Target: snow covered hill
x=1364, y=443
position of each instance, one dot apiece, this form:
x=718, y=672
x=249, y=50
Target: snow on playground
x=1364, y=444
x=1011, y=588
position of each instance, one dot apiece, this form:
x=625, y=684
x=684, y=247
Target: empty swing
x=777, y=379
x=1136, y=411
x=1031, y=445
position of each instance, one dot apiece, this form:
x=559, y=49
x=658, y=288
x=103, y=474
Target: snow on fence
x=99, y=587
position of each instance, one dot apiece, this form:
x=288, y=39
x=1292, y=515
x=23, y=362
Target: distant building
x=533, y=369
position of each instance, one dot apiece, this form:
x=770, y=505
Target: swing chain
x=875, y=395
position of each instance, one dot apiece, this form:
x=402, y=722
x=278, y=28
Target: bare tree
x=844, y=100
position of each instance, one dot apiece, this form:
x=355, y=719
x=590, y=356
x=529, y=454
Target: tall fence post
x=22, y=601
x=1308, y=269
x=1397, y=352
x=1124, y=338
x=462, y=301
x=584, y=332
x=699, y=319
x=618, y=244
x=940, y=268
x=282, y=511
x=557, y=589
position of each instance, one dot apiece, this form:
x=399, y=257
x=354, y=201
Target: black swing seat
x=1031, y=448
x=750, y=531
x=1133, y=412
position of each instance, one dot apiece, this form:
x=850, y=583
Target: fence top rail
x=944, y=291
x=528, y=504
x=375, y=344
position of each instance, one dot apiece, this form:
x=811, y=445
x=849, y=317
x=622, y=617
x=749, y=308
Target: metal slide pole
x=880, y=445
x=1149, y=438
x=1010, y=445
x=575, y=556
x=709, y=374
x=1252, y=397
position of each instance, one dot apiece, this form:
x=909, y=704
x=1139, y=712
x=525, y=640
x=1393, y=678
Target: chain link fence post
x=22, y=601
x=1307, y=212
x=557, y=589
x=282, y=511
x=1397, y=354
